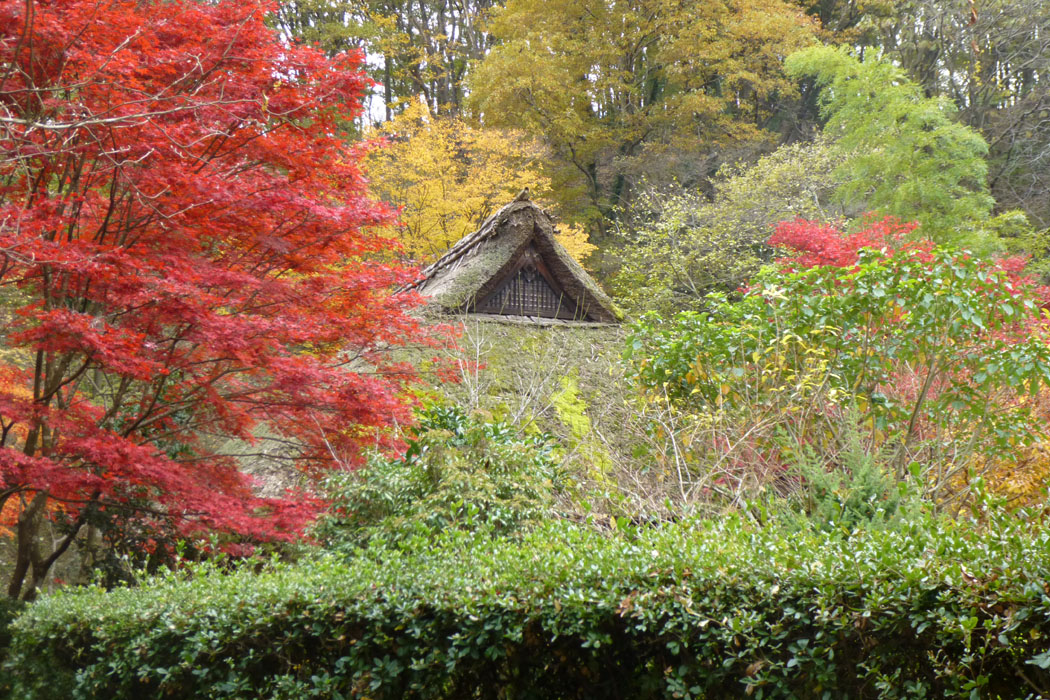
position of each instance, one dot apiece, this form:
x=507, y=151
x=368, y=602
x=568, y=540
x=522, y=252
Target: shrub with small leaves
x=9, y=610
x=459, y=472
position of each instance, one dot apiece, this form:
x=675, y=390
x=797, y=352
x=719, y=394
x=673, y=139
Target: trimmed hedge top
x=930, y=608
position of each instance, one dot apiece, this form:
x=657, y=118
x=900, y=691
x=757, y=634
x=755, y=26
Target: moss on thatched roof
x=476, y=265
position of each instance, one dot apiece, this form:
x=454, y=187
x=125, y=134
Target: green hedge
x=931, y=608
x=9, y=610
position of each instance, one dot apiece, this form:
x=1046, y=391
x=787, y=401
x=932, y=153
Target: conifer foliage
x=184, y=233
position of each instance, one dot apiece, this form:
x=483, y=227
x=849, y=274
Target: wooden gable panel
x=530, y=290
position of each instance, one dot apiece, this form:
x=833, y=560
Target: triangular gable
x=513, y=266
x=529, y=289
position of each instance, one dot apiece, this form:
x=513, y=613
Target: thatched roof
x=479, y=265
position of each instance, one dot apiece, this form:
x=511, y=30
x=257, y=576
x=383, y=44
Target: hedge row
x=699, y=609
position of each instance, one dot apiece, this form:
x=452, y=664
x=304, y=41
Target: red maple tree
x=815, y=244
x=185, y=251
x=804, y=244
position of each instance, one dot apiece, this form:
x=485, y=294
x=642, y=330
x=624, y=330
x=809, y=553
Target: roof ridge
x=489, y=227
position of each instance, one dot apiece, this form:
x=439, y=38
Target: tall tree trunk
x=26, y=532
x=388, y=89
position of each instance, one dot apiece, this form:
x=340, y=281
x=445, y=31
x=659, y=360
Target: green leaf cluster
x=681, y=245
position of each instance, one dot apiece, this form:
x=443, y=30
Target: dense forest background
x=600, y=105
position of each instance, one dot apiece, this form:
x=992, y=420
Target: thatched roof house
x=512, y=267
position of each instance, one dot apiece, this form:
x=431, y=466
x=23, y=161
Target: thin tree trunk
x=26, y=532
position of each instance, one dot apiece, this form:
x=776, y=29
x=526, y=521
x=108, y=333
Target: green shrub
x=458, y=472
x=857, y=490
x=9, y=610
x=930, y=608
x=938, y=357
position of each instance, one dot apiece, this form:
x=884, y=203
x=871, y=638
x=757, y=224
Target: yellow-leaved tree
x=626, y=90
x=447, y=176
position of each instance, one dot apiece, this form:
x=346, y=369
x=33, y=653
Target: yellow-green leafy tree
x=681, y=244
x=447, y=176
x=909, y=156
x=619, y=89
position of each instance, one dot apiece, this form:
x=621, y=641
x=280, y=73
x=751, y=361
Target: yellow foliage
x=11, y=383
x=1022, y=480
x=575, y=240
x=447, y=176
x=620, y=89
x=571, y=410
x=9, y=517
